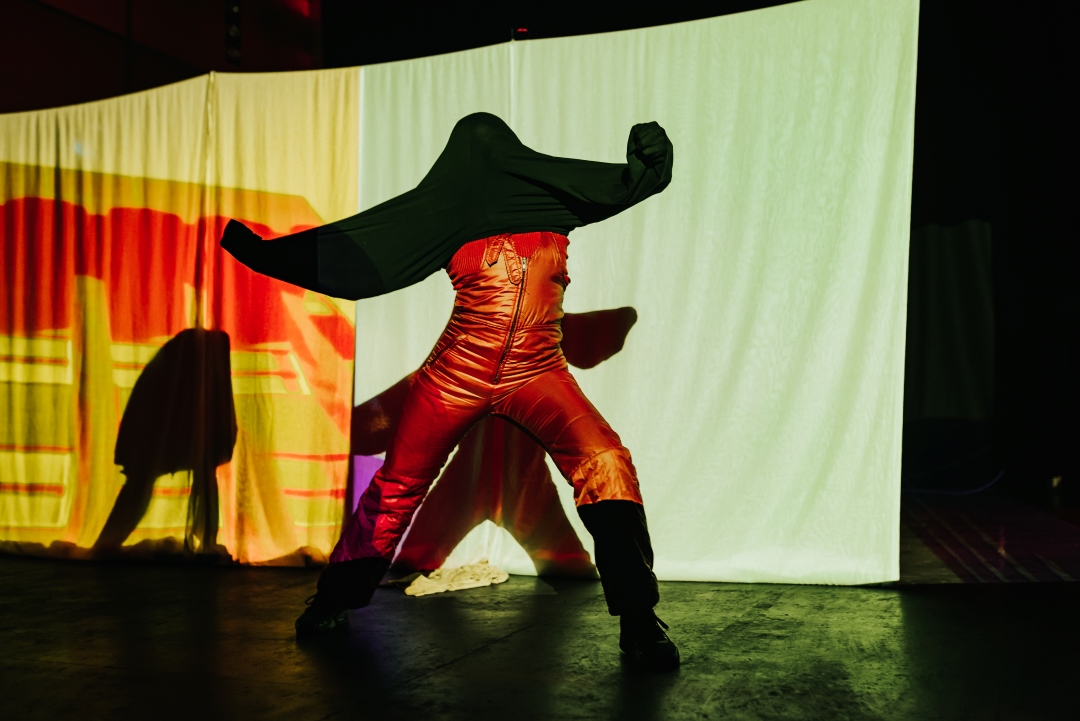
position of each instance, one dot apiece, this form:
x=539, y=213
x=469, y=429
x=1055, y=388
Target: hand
x=236, y=235
x=649, y=144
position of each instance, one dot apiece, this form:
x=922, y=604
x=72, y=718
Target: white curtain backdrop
x=761, y=390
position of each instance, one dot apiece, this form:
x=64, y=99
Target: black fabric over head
x=484, y=183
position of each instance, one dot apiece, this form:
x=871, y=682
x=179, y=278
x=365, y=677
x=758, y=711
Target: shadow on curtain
x=180, y=417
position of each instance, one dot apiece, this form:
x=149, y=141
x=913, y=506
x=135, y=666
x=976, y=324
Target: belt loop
x=513, y=261
x=494, y=247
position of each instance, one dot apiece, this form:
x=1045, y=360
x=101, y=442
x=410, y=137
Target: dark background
x=992, y=136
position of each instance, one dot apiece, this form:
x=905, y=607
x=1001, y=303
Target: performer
x=495, y=214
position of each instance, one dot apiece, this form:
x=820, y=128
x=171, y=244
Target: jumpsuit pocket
x=445, y=343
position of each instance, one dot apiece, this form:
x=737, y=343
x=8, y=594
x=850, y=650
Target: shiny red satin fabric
x=499, y=355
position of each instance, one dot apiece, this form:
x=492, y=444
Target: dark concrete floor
x=143, y=641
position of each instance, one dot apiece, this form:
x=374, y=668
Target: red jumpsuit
x=499, y=355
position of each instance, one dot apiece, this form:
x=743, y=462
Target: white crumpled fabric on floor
x=445, y=579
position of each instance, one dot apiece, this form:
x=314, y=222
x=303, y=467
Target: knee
x=606, y=476
x=394, y=493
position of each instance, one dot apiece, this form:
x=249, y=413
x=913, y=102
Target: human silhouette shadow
x=499, y=472
x=180, y=417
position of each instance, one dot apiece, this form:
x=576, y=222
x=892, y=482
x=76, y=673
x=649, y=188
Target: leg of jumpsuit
x=433, y=420
x=591, y=456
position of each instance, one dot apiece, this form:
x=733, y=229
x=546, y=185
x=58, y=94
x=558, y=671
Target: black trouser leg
x=624, y=555
x=351, y=584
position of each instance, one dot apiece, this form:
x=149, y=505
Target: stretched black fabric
x=351, y=584
x=484, y=183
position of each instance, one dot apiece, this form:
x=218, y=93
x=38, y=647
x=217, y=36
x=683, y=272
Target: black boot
x=624, y=558
x=321, y=618
x=345, y=585
x=642, y=638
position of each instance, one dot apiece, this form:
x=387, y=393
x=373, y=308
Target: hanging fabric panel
x=153, y=393
x=760, y=391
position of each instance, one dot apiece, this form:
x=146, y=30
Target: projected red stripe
x=33, y=489
x=35, y=449
x=318, y=493
x=35, y=360
x=172, y=492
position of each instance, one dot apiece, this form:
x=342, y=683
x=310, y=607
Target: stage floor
x=152, y=641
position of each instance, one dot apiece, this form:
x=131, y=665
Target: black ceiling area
x=362, y=33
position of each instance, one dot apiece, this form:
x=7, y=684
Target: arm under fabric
x=326, y=265
x=590, y=191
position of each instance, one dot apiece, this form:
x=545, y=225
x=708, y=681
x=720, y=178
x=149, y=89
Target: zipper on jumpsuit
x=513, y=321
